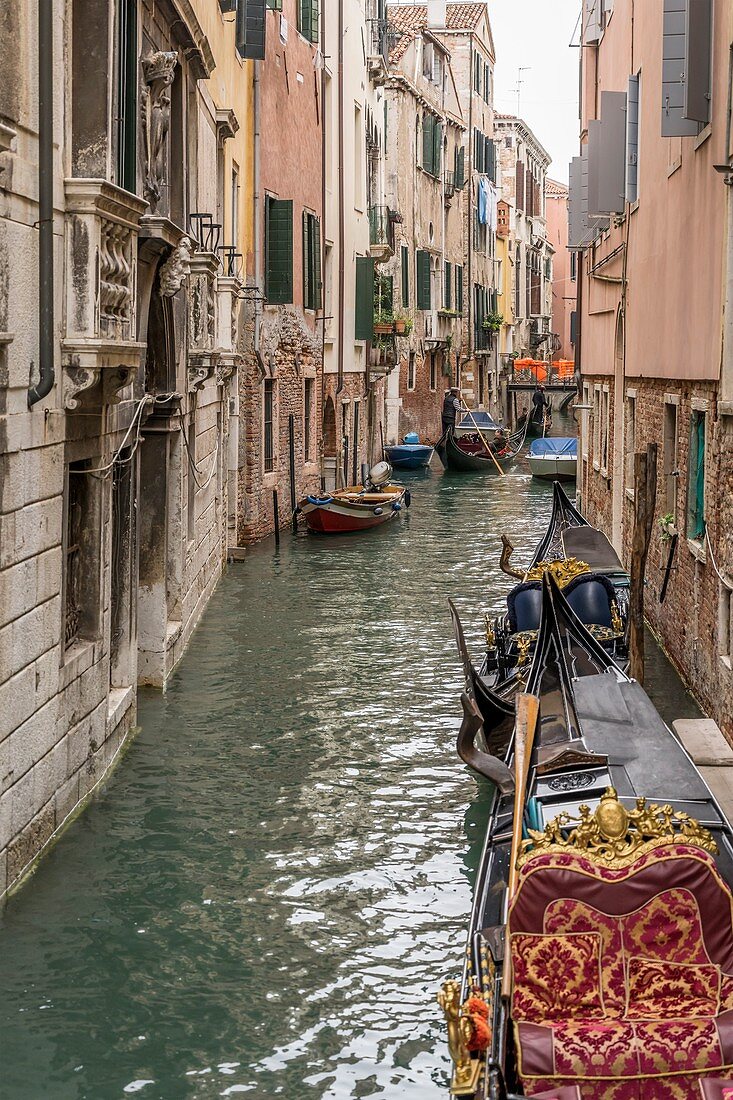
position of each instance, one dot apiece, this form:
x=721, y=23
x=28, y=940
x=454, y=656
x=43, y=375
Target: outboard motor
x=379, y=475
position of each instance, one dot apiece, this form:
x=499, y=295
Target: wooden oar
x=486, y=445
x=528, y=709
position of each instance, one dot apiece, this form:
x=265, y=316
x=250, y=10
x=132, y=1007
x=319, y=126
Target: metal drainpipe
x=468, y=291
x=45, y=205
x=324, y=123
x=341, y=231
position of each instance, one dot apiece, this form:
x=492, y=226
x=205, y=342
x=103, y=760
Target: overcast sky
x=537, y=33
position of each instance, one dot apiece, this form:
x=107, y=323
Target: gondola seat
x=524, y=606
x=717, y=1088
x=590, y=595
x=622, y=976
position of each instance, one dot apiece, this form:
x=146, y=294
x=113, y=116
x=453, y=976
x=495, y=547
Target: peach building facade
x=649, y=209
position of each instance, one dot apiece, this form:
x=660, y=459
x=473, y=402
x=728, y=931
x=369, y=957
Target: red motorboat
x=358, y=507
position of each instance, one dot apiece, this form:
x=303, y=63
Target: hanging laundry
x=493, y=206
x=484, y=200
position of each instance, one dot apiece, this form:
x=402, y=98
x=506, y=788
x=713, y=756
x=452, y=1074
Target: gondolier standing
x=451, y=407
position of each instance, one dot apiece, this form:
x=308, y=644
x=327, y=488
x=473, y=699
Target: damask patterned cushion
x=667, y=927
x=556, y=977
x=672, y=991
x=678, y=1046
x=565, y=915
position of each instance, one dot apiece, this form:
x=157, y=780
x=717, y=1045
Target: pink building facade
x=563, y=271
x=649, y=224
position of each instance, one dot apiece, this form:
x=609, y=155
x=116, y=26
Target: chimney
x=436, y=14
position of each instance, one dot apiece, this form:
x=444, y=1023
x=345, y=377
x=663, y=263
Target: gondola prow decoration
x=468, y=1030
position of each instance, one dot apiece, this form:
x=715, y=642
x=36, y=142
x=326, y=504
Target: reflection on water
x=268, y=894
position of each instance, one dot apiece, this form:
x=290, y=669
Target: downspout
x=468, y=290
x=45, y=205
x=341, y=230
x=257, y=212
x=324, y=210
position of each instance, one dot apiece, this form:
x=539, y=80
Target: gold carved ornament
x=616, y=621
x=468, y=1030
x=563, y=571
x=614, y=836
x=489, y=628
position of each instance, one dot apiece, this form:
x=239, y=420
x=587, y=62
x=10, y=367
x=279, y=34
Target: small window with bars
x=82, y=551
x=411, y=371
x=308, y=403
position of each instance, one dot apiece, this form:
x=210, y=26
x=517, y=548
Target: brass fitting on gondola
x=489, y=627
x=616, y=621
x=466, y=1070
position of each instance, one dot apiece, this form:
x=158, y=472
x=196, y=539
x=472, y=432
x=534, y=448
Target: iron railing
x=382, y=38
x=205, y=232
x=380, y=226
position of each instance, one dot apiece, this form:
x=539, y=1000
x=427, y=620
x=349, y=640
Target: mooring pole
x=645, y=499
x=293, y=494
x=276, y=517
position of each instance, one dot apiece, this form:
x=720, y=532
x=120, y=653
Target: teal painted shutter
x=696, y=478
x=279, y=250
x=423, y=279
x=459, y=289
x=405, y=256
x=317, y=280
x=364, y=304
x=447, y=296
x=307, y=269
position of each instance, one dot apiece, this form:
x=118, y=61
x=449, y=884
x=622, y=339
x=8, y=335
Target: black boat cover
x=591, y=546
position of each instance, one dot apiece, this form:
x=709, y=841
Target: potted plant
x=493, y=321
x=383, y=323
x=668, y=528
x=403, y=324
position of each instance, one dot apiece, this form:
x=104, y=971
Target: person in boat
x=522, y=419
x=499, y=442
x=451, y=407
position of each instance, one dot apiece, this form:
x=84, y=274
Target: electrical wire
x=101, y=473
x=726, y=583
x=193, y=466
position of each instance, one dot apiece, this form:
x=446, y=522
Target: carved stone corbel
x=77, y=382
x=158, y=72
x=175, y=269
x=201, y=365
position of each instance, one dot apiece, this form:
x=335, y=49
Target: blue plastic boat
x=410, y=454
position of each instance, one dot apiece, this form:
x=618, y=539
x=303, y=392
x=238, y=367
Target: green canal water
x=270, y=889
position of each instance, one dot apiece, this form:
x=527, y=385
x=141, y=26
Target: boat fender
x=408, y=498
x=319, y=501
x=396, y=507
x=378, y=511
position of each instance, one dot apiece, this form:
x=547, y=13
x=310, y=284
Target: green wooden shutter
x=423, y=279
x=460, y=167
x=250, y=29
x=313, y=35
x=696, y=478
x=437, y=147
x=405, y=256
x=307, y=262
x=364, y=303
x=447, y=296
x=478, y=155
x=491, y=159
x=317, y=278
x=428, y=129
x=279, y=250
x=459, y=289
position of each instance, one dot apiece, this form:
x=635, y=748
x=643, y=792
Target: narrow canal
x=273, y=885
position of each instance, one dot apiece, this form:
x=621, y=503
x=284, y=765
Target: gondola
x=599, y=963
x=540, y=422
x=586, y=567
x=469, y=453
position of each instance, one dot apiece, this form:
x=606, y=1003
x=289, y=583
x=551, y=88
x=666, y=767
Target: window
x=308, y=405
x=459, y=167
x=584, y=420
x=308, y=19
x=250, y=29
x=596, y=426
x=405, y=275
x=477, y=63
x=311, y=261
x=459, y=288
x=411, y=371
x=234, y=205
x=364, y=295
x=433, y=372
x=725, y=622
x=573, y=267
x=447, y=285
x=274, y=5
x=432, y=143
x=82, y=555
x=604, y=431
x=278, y=250
x=478, y=150
x=422, y=281
x=355, y=445
x=126, y=94
x=630, y=438
x=487, y=83
x=696, y=477
x=383, y=294
x=671, y=474
x=269, y=425
x=359, y=171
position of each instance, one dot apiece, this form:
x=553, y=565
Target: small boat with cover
x=463, y=450
x=410, y=454
x=358, y=507
x=595, y=584
x=554, y=458
x=599, y=962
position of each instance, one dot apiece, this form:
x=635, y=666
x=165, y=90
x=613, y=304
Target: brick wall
x=421, y=406
x=692, y=623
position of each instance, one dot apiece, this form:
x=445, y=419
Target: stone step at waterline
x=712, y=754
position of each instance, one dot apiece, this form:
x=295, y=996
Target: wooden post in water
x=276, y=517
x=645, y=499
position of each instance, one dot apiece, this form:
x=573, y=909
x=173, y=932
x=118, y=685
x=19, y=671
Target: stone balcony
x=99, y=352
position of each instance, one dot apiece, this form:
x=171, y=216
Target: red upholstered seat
x=570, y=1092
x=669, y=906
x=717, y=1088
